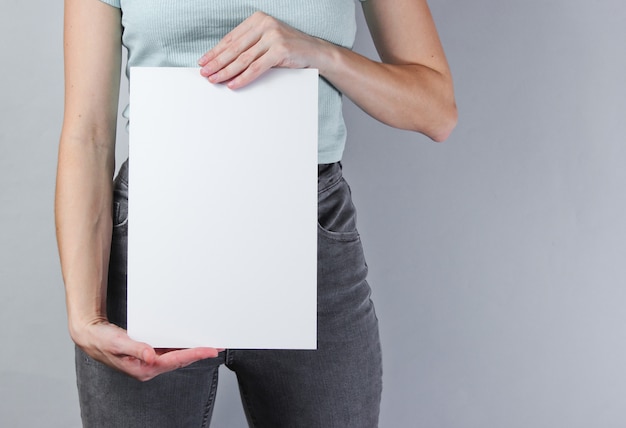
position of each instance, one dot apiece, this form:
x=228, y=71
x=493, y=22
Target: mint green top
x=176, y=33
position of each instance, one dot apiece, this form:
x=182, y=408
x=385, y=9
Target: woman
x=126, y=383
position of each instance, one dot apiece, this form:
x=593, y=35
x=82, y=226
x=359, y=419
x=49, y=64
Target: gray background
x=496, y=257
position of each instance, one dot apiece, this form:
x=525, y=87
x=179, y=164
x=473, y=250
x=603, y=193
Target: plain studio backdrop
x=496, y=258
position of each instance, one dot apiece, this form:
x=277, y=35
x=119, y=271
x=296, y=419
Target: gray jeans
x=337, y=385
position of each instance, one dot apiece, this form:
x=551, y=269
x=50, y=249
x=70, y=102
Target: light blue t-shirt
x=175, y=33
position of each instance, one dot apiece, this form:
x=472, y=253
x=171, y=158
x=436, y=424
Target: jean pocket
x=338, y=236
x=120, y=214
x=336, y=214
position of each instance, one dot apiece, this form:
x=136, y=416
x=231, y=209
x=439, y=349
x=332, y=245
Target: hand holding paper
x=256, y=45
x=110, y=345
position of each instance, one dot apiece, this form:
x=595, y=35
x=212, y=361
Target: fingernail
x=202, y=60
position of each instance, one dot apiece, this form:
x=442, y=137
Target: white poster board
x=222, y=239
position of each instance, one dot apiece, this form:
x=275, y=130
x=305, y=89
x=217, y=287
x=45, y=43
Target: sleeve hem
x=114, y=3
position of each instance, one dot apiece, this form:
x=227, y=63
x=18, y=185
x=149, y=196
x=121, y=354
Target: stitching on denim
x=120, y=225
x=331, y=184
x=211, y=399
x=229, y=360
x=122, y=174
x=120, y=228
x=339, y=236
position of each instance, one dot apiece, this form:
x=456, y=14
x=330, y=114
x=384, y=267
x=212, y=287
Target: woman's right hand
x=110, y=344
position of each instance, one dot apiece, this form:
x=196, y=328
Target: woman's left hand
x=256, y=45
x=411, y=89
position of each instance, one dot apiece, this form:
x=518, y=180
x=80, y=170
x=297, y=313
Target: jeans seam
x=210, y=400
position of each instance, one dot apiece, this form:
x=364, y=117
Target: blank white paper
x=222, y=229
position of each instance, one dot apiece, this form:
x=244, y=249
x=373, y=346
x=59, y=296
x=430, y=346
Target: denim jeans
x=337, y=385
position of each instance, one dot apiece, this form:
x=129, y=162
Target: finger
x=114, y=341
x=226, y=50
x=125, y=346
x=223, y=44
x=137, y=369
x=192, y=354
x=182, y=358
x=252, y=72
x=248, y=59
x=235, y=58
x=246, y=28
x=236, y=42
x=168, y=361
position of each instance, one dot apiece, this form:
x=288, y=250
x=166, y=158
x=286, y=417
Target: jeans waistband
x=327, y=174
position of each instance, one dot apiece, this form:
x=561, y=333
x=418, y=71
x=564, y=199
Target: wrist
x=77, y=325
x=325, y=53
x=331, y=62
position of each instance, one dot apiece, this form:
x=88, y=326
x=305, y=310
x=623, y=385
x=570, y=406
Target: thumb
x=141, y=351
x=148, y=354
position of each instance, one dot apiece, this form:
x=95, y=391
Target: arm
x=411, y=88
x=92, y=46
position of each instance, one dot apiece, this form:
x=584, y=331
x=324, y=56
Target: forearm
x=410, y=96
x=92, y=54
x=83, y=200
x=411, y=88
x=83, y=225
